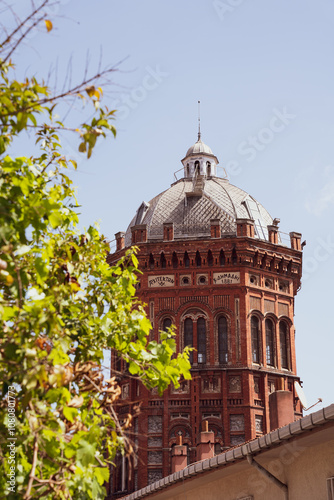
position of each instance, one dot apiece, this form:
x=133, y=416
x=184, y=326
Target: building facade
x=216, y=266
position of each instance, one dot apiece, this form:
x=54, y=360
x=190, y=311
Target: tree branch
x=32, y=472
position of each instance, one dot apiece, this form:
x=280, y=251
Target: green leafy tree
x=61, y=305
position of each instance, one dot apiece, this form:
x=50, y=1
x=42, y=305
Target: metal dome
x=191, y=215
x=198, y=148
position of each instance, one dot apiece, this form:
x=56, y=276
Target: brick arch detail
x=216, y=317
x=194, y=313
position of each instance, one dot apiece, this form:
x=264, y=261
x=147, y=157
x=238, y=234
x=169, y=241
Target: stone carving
x=235, y=384
x=155, y=457
x=154, y=424
x=259, y=423
x=125, y=391
x=236, y=440
x=237, y=423
x=154, y=475
x=154, y=442
x=210, y=384
x=183, y=389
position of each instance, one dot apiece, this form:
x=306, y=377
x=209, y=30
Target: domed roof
x=199, y=147
x=191, y=215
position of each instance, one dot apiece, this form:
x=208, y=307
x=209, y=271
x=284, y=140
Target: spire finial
x=199, y=120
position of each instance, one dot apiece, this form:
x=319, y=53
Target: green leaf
x=86, y=453
x=70, y=413
x=55, y=219
x=101, y=474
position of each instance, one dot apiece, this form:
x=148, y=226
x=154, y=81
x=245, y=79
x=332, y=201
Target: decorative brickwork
x=228, y=285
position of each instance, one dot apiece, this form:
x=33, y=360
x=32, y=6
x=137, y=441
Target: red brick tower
x=215, y=265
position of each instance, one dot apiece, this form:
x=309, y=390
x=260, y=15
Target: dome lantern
x=200, y=160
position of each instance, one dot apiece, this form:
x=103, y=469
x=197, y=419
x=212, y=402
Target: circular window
x=252, y=280
x=185, y=281
x=267, y=284
x=202, y=280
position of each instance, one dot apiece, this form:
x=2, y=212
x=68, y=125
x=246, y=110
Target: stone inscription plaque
x=226, y=278
x=161, y=281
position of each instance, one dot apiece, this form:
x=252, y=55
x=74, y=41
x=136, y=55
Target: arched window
x=222, y=258
x=198, y=259
x=283, y=338
x=186, y=259
x=151, y=261
x=197, y=167
x=270, y=342
x=234, y=256
x=167, y=323
x=208, y=168
x=163, y=260
x=210, y=258
x=222, y=340
x=255, y=333
x=188, y=336
x=174, y=260
x=264, y=261
x=188, y=171
x=201, y=340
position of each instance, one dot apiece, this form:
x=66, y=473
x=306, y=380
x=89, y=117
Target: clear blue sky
x=248, y=62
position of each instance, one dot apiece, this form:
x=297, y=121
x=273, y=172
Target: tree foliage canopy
x=61, y=304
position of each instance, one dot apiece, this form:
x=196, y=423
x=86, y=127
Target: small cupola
x=199, y=160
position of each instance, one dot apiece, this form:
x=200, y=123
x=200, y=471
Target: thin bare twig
x=33, y=469
x=27, y=19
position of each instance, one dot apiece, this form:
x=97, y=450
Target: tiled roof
x=191, y=214
x=274, y=438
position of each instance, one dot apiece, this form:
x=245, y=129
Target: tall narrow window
x=174, y=260
x=255, y=331
x=151, y=261
x=234, y=256
x=222, y=258
x=210, y=258
x=201, y=340
x=186, y=259
x=198, y=259
x=270, y=342
x=222, y=340
x=196, y=167
x=188, y=336
x=208, y=168
x=163, y=260
x=283, y=337
x=167, y=323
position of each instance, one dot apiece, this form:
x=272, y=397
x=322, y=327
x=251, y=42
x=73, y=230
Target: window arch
x=283, y=337
x=208, y=168
x=167, y=323
x=186, y=259
x=174, y=260
x=234, y=256
x=201, y=340
x=163, y=260
x=270, y=342
x=222, y=258
x=222, y=340
x=188, y=171
x=196, y=170
x=198, y=259
x=255, y=334
x=188, y=335
x=210, y=258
